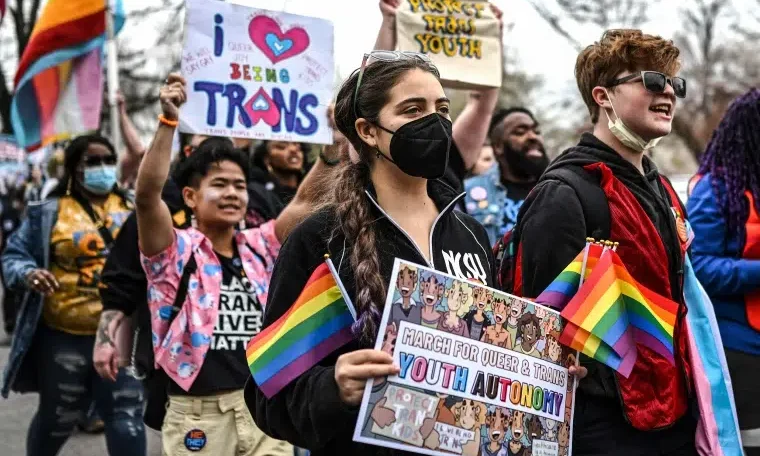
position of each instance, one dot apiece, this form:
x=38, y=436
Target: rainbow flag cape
x=59, y=81
x=619, y=313
x=564, y=287
x=318, y=323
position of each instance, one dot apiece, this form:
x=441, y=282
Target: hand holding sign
x=354, y=369
x=172, y=96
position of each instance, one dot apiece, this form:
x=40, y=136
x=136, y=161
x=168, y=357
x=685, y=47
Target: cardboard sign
x=461, y=37
x=256, y=74
x=479, y=369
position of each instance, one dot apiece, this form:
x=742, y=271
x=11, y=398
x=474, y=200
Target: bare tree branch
x=554, y=22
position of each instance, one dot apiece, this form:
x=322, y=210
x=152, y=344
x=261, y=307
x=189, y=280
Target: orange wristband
x=170, y=123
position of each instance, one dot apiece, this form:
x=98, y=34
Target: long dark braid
x=354, y=213
x=732, y=157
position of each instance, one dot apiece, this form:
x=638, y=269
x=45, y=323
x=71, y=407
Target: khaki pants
x=218, y=425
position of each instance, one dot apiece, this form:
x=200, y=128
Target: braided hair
x=354, y=214
x=732, y=158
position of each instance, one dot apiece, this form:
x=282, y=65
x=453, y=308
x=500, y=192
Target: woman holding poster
x=392, y=202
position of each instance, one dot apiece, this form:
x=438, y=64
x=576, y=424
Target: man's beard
x=522, y=166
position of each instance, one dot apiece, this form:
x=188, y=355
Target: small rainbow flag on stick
x=611, y=313
x=567, y=283
x=318, y=323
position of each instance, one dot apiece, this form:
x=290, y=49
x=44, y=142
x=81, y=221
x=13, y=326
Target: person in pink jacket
x=200, y=343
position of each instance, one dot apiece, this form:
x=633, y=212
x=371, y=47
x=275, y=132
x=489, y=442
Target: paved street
x=16, y=413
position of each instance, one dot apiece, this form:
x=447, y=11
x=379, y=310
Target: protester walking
x=394, y=202
x=56, y=257
x=494, y=198
x=200, y=340
x=723, y=209
x=607, y=188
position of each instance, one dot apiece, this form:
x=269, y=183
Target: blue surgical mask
x=100, y=179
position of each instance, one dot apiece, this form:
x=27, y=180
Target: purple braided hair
x=732, y=157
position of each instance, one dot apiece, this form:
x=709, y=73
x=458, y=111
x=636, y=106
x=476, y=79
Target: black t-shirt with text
x=240, y=318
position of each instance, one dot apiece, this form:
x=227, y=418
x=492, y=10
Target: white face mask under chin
x=627, y=136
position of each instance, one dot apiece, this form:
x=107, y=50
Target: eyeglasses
x=655, y=82
x=97, y=160
x=386, y=56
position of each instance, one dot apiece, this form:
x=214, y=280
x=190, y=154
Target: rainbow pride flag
x=59, y=80
x=318, y=323
x=611, y=313
x=563, y=288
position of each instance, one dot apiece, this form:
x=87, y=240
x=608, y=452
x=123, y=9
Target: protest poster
x=256, y=74
x=482, y=372
x=461, y=37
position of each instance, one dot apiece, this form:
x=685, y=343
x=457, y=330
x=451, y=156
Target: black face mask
x=420, y=148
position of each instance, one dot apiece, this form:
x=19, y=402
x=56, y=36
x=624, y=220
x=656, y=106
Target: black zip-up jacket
x=308, y=412
x=553, y=231
x=562, y=232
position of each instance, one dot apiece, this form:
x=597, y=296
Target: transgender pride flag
x=59, y=81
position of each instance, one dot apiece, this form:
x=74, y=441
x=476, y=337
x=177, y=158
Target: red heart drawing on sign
x=276, y=45
x=262, y=107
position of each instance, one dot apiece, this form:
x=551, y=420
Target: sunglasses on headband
x=385, y=56
x=655, y=82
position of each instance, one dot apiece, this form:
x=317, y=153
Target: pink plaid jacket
x=180, y=347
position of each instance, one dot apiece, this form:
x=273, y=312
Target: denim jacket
x=485, y=198
x=28, y=248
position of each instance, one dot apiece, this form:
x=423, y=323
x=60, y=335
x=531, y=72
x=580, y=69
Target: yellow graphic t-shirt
x=78, y=254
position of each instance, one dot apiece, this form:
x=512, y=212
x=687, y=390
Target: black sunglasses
x=655, y=82
x=97, y=160
x=386, y=56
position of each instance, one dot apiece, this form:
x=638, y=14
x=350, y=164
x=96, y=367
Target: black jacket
x=309, y=412
x=552, y=232
x=552, y=222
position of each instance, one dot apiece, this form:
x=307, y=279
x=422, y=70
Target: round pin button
x=195, y=440
x=478, y=193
